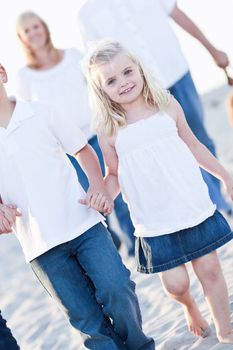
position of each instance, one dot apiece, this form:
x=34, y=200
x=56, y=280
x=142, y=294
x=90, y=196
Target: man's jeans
x=7, y=341
x=87, y=279
x=120, y=207
x=186, y=94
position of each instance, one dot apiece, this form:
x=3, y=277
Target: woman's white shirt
x=62, y=86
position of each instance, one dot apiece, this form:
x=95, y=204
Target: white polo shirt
x=143, y=27
x=38, y=177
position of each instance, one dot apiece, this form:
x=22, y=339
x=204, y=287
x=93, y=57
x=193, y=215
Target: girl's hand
x=100, y=201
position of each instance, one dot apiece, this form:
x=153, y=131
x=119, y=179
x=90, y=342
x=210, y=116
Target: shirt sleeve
x=67, y=133
x=168, y=5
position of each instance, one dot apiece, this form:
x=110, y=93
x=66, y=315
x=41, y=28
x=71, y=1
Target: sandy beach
x=38, y=324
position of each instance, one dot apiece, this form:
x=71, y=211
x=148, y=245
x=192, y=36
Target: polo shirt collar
x=21, y=112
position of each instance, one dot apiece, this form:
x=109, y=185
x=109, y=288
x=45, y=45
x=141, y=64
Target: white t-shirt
x=62, y=86
x=38, y=177
x=143, y=27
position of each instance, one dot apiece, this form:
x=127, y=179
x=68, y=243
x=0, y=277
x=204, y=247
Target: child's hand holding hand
x=100, y=201
x=8, y=214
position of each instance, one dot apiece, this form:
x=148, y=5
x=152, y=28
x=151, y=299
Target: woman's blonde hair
x=31, y=58
x=109, y=115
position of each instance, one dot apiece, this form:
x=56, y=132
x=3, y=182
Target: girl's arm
x=229, y=103
x=97, y=196
x=111, y=165
x=203, y=156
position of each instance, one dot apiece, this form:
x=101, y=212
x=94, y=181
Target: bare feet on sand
x=226, y=339
x=196, y=323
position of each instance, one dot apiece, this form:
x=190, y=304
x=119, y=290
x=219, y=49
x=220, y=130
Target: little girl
x=149, y=148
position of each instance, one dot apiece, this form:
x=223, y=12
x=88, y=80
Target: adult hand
x=220, y=58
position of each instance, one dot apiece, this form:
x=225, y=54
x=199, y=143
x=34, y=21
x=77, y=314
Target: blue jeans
x=186, y=94
x=120, y=207
x=88, y=280
x=7, y=341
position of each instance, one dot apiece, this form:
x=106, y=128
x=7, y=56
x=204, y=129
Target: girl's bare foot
x=196, y=324
x=226, y=339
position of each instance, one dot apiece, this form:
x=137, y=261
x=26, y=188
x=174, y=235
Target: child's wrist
x=2, y=209
x=228, y=181
x=98, y=185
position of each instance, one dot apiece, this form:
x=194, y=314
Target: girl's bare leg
x=209, y=272
x=176, y=284
x=229, y=103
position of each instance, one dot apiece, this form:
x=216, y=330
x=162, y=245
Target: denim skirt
x=161, y=253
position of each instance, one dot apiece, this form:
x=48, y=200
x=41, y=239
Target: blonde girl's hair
x=31, y=58
x=109, y=115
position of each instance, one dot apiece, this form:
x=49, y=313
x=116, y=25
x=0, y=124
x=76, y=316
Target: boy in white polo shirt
x=69, y=248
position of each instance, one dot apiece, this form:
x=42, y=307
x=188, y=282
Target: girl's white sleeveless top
x=159, y=177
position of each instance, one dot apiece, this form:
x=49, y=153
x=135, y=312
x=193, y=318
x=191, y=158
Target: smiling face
x=121, y=79
x=32, y=32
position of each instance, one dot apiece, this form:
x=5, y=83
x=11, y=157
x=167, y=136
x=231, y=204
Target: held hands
x=8, y=214
x=99, y=200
